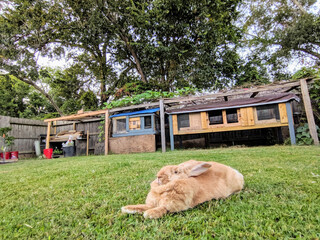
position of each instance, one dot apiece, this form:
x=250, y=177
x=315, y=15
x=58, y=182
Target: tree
x=281, y=31
x=18, y=99
x=174, y=43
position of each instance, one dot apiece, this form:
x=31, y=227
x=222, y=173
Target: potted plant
x=8, y=141
x=56, y=153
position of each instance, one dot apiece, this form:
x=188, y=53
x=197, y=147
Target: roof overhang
x=242, y=102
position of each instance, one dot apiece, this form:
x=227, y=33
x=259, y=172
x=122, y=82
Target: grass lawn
x=81, y=197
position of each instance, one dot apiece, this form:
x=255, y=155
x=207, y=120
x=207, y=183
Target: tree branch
x=315, y=54
x=31, y=83
x=295, y=2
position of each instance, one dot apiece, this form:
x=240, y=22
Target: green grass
x=81, y=197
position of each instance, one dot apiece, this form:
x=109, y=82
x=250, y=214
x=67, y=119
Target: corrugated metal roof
x=242, y=102
x=153, y=110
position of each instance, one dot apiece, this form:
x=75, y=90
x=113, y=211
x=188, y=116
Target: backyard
x=81, y=197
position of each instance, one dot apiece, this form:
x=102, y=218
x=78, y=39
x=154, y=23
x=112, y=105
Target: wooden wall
x=132, y=144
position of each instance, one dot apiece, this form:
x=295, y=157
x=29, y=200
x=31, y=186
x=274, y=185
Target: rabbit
x=183, y=186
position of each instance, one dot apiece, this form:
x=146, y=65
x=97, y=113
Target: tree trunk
x=29, y=82
x=135, y=56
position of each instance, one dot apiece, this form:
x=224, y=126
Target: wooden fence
x=25, y=131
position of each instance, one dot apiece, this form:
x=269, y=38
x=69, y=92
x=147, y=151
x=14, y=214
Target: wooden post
x=291, y=123
x=106, y=133
x=55, y=127
x=88, y=134
x=309, y=112
x=74, y=126
x=162, y=127
x=48, y=135
x=171, y=133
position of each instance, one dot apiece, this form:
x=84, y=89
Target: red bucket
x=1, y=155
x=15, y=155
x=48, y=153
x=7, y=155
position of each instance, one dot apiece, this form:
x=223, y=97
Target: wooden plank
x=283, y=113
x=243, y=117
x=224, y=116
x=48, y=135
x=106, y=133
x=74, y=126
x=291, y=123
x=27, y=122
x=78, y=116
x=309, y=112
x=88, y=134
x=162, y=126
x=204, y=120
x=134, y=123
x=175, y=124
x=171, y=132
x=155, y=104
x=195, y=121
x=233, y=128
x=250, y=116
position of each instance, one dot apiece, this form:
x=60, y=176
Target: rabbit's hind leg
x=154, y=213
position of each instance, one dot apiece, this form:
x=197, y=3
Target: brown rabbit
x=183, y=186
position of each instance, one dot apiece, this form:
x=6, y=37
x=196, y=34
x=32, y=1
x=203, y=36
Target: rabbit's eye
x=176, y=172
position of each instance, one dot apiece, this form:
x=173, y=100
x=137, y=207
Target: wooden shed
x=135, y=131
x=241, y=114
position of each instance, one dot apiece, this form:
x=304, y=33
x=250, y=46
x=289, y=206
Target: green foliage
x=312, y=72
x=280, y=31
x=18, y=99
x=149, y=96
x=8, y=140
x=133, y=88
x=306, y=72
x=303, y=135
x=174, y=43
x=81, y=197
x=69, y=89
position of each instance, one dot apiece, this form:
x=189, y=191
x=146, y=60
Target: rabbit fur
x=183, y=186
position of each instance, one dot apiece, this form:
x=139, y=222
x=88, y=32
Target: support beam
x=309, y=112
x=162, y=126
x=171, y=133
x=106, y=133
x=48, y=135
x=55, y=127
x=88, y=136
x=291, y=123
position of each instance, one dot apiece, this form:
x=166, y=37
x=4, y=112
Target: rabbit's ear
x=199, y=169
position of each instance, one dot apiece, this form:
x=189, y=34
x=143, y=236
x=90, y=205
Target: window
x=183, y=121
x=215, y=117
x=232, y=115
x=268, y=112
x=120, y=125
x=147, y=122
